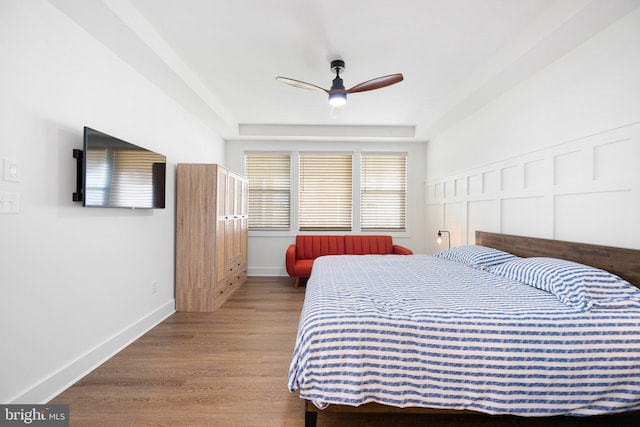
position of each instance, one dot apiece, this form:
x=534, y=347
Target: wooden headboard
x=619, y=261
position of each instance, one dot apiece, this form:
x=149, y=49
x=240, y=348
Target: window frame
x=294, y=228
x=401, y=219
x=288, y=191
x=326, y=193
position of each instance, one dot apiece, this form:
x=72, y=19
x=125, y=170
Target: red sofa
x=299, y=256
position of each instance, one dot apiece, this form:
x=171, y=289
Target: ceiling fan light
x=337, y=99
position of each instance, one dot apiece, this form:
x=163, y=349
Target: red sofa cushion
x=364, y=245
x=311, y=247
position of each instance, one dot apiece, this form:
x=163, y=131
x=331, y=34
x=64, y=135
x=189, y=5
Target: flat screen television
x=113, y=173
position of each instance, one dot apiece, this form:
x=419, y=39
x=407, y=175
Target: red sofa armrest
x=401, y=250
x=290, y=259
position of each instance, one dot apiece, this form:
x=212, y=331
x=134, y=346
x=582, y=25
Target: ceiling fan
x=337, y=93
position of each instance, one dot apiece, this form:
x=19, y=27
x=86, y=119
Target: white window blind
x=383, y=192
x=325, y=192
x=269, y=190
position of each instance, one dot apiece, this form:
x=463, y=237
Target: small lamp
x=440, y=237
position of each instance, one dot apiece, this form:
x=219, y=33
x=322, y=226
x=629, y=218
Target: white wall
x=267, y=249
x=77, y=282
x=555, y=157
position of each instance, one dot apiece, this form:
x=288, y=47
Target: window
x=325, y=192
x=383, y=192
x=269, y=191
x=322, y=196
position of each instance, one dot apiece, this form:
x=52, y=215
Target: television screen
x=118, y=174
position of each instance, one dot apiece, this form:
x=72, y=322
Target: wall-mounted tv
x=113, y=173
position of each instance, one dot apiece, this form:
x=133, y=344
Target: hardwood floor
x=229, y=368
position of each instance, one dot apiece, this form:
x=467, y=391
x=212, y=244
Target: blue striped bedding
x=429, y=332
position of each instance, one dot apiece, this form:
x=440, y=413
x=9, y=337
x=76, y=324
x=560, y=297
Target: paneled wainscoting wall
x=586, y=189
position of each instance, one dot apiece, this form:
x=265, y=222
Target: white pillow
x=480, y=257
x=577, y=285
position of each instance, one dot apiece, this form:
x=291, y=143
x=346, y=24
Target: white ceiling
x=219, y=58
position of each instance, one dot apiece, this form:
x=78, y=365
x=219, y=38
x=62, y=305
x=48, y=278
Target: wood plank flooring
x=229, y=369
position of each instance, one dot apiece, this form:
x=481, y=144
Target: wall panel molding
x=573, y=190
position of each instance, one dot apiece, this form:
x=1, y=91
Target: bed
x=462, y=332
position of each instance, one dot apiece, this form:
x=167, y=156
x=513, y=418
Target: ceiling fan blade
x=301, y=85
x=377, y=83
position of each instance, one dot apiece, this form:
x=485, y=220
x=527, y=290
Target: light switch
x=12, y=170
x=9, y=202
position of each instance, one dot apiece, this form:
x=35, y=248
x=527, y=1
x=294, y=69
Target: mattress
x=419, y=331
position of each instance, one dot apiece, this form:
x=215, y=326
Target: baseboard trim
x=267, y=271
x=59, y=381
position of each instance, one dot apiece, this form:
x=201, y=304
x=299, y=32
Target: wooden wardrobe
x=211, y=235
